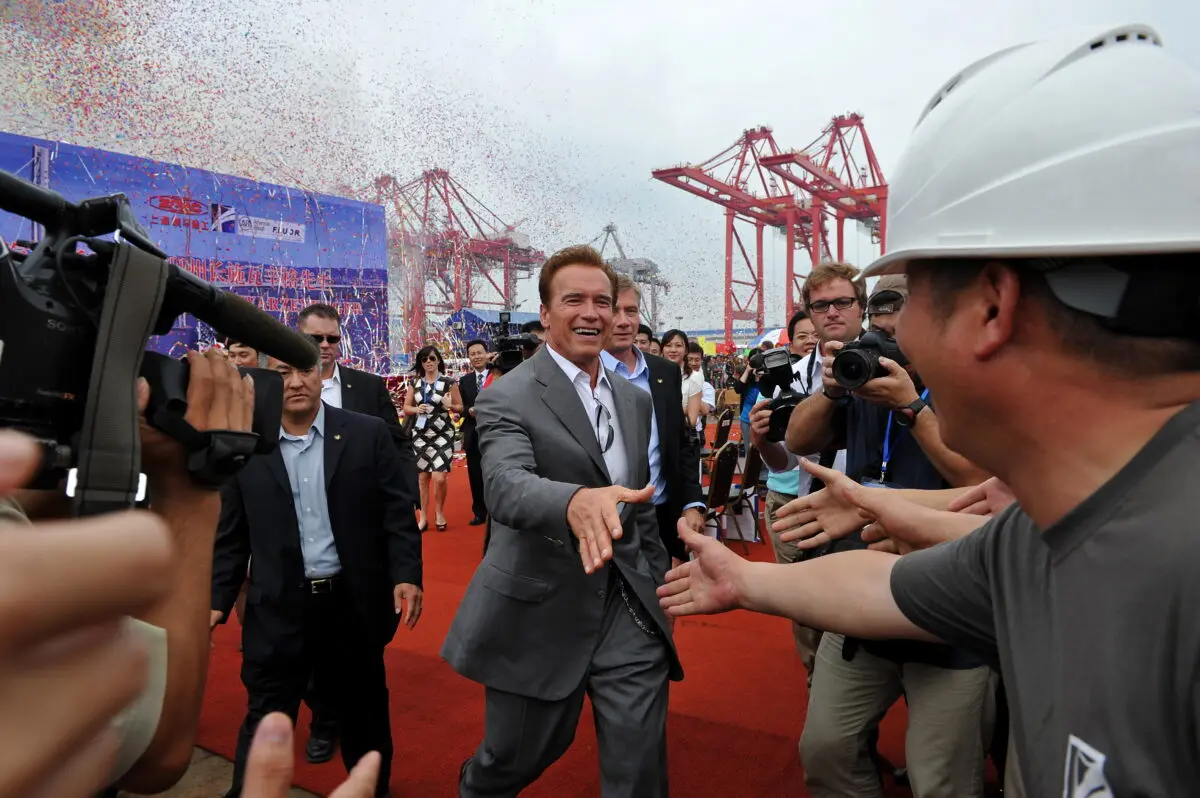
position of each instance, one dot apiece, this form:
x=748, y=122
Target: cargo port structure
x=448, y=251
x=643, y=271
x=798, y=192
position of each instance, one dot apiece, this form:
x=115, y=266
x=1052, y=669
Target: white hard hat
x=1087, y=145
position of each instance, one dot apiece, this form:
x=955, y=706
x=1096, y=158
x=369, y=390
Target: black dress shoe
x=477, y=521
x=319, y=749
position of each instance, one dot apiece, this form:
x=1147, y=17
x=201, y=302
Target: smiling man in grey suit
x=564, y=603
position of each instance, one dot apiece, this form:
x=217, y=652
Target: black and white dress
x=433, y=435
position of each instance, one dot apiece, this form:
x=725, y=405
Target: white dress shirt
x=331, y=389
x=614, y=458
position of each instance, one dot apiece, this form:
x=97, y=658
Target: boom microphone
x=237, y=318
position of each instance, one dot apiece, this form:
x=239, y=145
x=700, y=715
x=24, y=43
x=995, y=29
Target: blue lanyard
x=887, y=441
x=427, y=395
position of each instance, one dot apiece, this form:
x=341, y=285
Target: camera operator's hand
x=988, y=498
x=760, y=423
x=894, y=391
x=218, y=398
x=818, y=518
x=272, y=754
x=595, y=520
x=67, y=664
x=830, y=386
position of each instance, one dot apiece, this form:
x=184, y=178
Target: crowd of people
x=979, y=504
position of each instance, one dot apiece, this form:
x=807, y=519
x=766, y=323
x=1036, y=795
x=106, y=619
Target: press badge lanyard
x=887, y=442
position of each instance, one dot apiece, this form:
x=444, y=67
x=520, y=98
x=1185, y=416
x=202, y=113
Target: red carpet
x=733, y=729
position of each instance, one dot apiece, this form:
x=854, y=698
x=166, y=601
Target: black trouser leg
x=475, y=474
x=275, y=668
x=349, y=666
x=324, y=716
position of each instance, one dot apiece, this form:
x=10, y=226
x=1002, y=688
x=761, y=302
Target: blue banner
x=282, y=248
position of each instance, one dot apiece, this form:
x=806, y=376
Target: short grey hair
x=626, y=283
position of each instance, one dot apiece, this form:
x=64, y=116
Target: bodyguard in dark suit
x=674, y=466
x=469, y=386
x=361, y=392
x=326, y=524
x=563, y=604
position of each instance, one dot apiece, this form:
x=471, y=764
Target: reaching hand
x=408, y=599
x=595, y=520
x=988, y=498
x=706, y=585
x=68, y=665
x=817, y=519
x=905, y=521
x=269, y=764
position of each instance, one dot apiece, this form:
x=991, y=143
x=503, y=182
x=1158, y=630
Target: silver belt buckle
x=321, y=585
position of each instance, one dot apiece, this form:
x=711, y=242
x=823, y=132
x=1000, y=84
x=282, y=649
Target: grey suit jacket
x=531, y=617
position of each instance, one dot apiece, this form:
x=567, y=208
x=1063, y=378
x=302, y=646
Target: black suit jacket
x=677, y=445
x=367, y=393
x=468, y=391
x=370, y=510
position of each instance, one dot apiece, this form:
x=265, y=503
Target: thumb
x=20, y=456
x=893, y=368
x=826, y=475
x=693, y=539
x=636, y=496
x=362, y=779
x=269, y=765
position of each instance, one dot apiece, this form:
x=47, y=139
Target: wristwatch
x=907, y=416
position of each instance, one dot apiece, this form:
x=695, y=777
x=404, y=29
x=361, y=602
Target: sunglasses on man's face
x=321, y=339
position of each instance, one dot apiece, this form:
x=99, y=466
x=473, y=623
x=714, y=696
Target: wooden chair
x=721, y=437
x=718, y=493
x=748, y=494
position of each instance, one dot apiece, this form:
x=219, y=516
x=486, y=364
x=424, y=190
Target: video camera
x=76, y=314
x=512, y=350
x=857, y=363
x=777, y=363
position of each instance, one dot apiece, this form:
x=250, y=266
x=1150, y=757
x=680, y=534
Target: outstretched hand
x=818, y=518
x=595, y=519
x=709, y=584
x=907, y=523
x=987, y=498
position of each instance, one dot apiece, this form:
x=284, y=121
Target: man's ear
x=995, y=298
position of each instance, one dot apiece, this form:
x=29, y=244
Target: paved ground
x=208, y=777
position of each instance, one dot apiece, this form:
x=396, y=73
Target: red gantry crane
x=795, y=192
x=456, y=252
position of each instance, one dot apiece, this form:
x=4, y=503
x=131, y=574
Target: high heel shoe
x=441, y=527
x=421, y=527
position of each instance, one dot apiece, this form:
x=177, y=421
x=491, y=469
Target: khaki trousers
x=785, y=552
x=950, y=717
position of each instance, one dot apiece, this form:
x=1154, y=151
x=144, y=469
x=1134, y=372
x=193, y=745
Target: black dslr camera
x=778, y=366
x=858, y=362
x=77, y=310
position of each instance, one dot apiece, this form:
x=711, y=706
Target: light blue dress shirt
x=304, y=459
x=641, y=378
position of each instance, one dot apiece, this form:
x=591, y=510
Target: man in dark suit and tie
x=563, y=604
x=326, y=524
x=361, y=392
x=469, y=387
x=674, y=467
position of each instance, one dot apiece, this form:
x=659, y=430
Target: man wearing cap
x=1056, y=325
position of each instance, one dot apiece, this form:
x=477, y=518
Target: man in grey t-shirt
x=1094, y=621
x=1056, y=323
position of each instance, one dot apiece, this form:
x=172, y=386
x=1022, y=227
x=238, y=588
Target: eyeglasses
x=822, y=306
x=320, y=339
x=605, y=434
x=431, y=359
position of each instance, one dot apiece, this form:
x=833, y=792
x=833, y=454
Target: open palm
x=706, y=585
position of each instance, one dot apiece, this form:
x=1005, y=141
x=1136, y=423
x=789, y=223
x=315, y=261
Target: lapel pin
x=337, y=437
x=660, y=380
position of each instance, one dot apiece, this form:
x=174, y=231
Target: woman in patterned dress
x=430, y=400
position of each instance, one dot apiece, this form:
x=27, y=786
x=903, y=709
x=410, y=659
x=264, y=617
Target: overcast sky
x=555, y=112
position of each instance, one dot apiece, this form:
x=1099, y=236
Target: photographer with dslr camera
x=855, y=682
